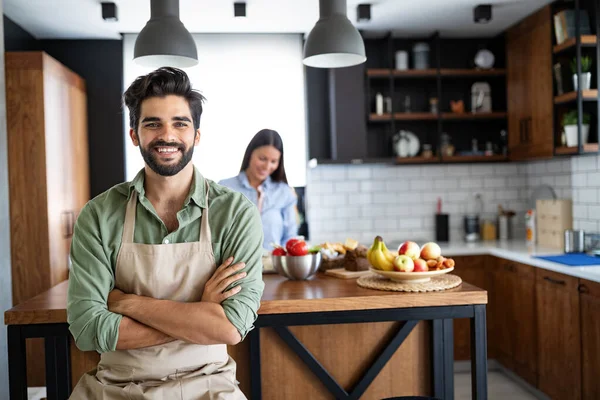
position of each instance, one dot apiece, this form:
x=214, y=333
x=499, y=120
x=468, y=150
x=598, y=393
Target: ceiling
x=82, y=19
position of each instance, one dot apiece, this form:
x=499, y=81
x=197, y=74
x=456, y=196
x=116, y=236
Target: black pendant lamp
x=164, y=41
x=333, y=42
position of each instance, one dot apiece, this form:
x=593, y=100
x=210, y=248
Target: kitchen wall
x=399, y=202
x=5, y=273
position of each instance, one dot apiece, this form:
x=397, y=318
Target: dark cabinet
x=529, y=87
x=558, y=335
x=473, y=270
x=589, y=300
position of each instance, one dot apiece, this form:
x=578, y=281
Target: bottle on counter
x=379, y=104
x=530, y=226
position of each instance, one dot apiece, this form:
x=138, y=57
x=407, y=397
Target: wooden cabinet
x=529, y=87
x=514, y=318
x=473, y=270
x=589, y=300
x=48, y=173
x=558, y=335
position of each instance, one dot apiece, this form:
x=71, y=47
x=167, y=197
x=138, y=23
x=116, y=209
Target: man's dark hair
x=266, y=137
x=160, y=83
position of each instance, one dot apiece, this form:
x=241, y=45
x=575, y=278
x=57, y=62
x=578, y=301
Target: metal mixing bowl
x=297, y=268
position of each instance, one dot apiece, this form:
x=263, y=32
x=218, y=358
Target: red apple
x=410, y=249
x=404, y=263
x=430, y=251
x=300, y=248
x=279, y=251
x=420, y=265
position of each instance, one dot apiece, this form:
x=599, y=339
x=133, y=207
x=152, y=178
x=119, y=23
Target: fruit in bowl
x=296, y=261
x=410, y=249
x=404, y=263
x=420, y=265
x=430, y=251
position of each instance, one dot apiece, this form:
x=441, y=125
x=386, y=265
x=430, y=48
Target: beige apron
x=176, y=370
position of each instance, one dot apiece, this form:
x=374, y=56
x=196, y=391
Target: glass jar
x=427, y=152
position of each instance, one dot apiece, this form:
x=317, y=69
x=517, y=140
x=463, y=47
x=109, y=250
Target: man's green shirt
x=235, y=228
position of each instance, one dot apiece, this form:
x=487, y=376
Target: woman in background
x=263, y=181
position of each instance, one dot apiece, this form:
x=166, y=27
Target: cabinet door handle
x=555, y=281
x=582, y=288
x=528, y=126
x=509, y=267
x=521, y=131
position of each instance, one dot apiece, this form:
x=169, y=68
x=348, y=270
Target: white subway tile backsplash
x=333, y=173
x=516, y=181
x=457, y=170
x=321, y=187
x=347, y=212
x=471, y=183
x=594, y=212
x=579, y=180
x=506, y=194
x=433, y=172
x=593, y=179
x=587, y=195
x=419, y=184
x=387, y=173
x=409, y=172
x=335, y=200
x=385, y=224
x=586, y=163
x=360, y=224
x=345, y=187
x=410, y=223
x=563, y=181
x=360, y=198
x=356, y=172
x=494, y=182
x=587, y=225
x=445, y=183
x=399, y=202
x=372, y=186
x=580, y=212
x=373, y=211
x=384, y=198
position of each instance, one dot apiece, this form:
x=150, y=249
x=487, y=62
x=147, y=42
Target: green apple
x=403, y=263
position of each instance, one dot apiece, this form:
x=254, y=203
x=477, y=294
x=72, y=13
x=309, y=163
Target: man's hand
x=116, y=300
x=225, y=275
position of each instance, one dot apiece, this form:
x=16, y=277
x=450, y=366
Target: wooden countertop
x=281, y=296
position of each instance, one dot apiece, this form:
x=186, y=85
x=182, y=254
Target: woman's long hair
x=266, y=137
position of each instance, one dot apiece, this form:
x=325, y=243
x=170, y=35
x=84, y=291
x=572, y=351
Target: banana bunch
x=380, y=257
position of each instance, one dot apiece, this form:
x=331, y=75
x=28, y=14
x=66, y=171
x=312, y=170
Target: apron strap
x=129, y=225
x=205, y=235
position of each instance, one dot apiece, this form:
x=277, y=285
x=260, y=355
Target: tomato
x=290, y=243
x=300, y=248
x=280, y=251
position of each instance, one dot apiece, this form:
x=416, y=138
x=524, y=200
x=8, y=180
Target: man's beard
x=150, y=157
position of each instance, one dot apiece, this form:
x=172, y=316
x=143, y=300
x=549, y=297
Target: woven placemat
x=437, y=283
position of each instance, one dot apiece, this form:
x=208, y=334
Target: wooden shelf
x=432, y=72
x=469, y=116
x=473, y=72
x=417, y=160
x=379, y=72
x=588, y=95
x=403, y=117
x=587, y=148
x=380, y=118
x=415, y=73
x=496, y=157
x=415, y=116
x=586, y=41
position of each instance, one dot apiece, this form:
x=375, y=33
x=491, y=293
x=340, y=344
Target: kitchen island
x=319, y=339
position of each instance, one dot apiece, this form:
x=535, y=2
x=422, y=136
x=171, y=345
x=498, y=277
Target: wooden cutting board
x=345, y=274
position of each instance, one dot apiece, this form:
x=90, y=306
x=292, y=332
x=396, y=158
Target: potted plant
x=586, y=74
x=569, y=123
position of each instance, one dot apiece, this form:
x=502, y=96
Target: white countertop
x=519, y=251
